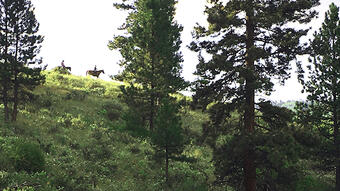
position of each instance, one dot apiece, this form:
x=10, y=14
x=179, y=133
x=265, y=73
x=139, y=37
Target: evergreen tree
x=151, y=57
x=167, y=137
x=250, y=43
x=20, y=45
x=323, y=88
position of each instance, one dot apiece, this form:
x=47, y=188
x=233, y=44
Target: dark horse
x=67, y=68
x=95, y=73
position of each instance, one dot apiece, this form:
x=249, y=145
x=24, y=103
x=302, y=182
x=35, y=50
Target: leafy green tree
x=151, y=57
x=250, y=43
x=168, y=136
x=20, y=45
x=323, y=88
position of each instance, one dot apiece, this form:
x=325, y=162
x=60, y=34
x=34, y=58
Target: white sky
x=78, y=32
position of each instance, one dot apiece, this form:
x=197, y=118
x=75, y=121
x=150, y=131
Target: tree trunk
x=249, y=114
x=6, y=79
x=15, y=99
x=152, y=112
x=337, y=175
x=166, y=167
x=152, y=96
x=16, y=83
x=5, y=101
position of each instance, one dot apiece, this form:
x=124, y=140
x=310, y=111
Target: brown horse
x=95, y=73
x=67, y=68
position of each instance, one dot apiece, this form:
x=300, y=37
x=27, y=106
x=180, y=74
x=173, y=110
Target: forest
x=139, y=132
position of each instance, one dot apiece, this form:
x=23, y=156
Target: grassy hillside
x=70, y=136
x=76, y=122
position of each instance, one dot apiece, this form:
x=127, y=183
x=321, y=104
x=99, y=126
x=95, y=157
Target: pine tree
x=168, y=137
x=323, y=88
x=20, y=45
x=151, y=57
x=250, y=43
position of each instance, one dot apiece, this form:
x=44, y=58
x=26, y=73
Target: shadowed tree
x=250, y=43
x=151, y=57
x=20, y=45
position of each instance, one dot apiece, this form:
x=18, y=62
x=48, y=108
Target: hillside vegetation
x=73, y=131
x=71, y=135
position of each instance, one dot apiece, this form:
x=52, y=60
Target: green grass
x=76, y=123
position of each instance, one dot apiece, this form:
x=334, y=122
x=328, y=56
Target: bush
x=190, y=184
x=94, y=88
x=25, y=182
x=76, y=95
x=112, y=110
x=27, y=157
x=310, y=183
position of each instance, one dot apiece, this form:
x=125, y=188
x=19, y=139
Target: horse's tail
x=87, y=72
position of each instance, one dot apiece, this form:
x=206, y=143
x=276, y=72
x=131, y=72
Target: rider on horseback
x=65, y=67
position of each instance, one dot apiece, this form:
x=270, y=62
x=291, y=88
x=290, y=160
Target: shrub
x=76, y=95
x=94, y=88
x=311, y=183
x=112, y=110
x=23, y=181
x=27, y=157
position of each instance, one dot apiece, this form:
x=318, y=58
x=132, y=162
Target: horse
x=95, y=73
x=64, y=69
x=67, y=68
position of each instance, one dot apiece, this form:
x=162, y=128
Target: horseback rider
x=62, y=64
x=65, y=67
x=95, y=68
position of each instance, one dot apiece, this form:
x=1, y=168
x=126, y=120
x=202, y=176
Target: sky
x=78, y=32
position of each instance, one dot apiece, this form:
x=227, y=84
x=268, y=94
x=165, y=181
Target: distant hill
x=290, y=104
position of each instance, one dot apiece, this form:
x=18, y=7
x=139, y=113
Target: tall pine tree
x=151, y=57
x=250, y=43
x=19, y=47
x=323, y=88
